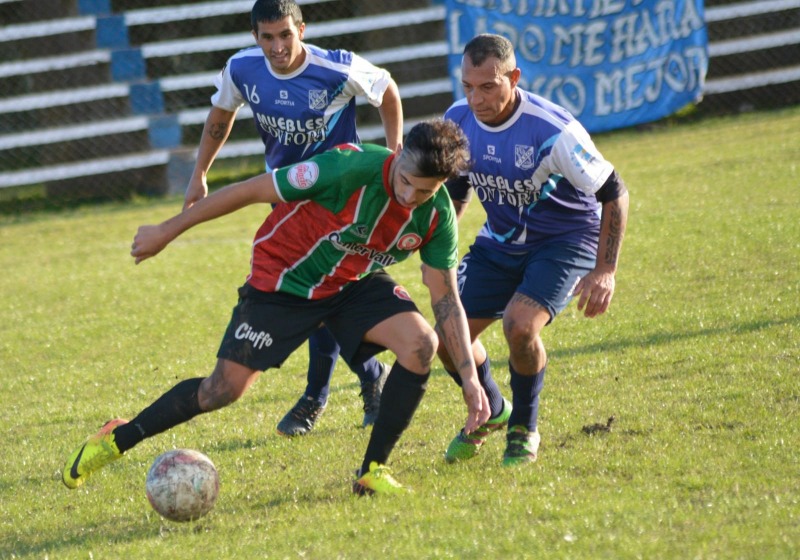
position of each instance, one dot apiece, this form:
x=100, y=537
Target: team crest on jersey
x=409, y=242
x=303, y=175
x=523, y=156
x=317, y=99
x=401, y=293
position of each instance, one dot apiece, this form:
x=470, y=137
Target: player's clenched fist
x=148, y=242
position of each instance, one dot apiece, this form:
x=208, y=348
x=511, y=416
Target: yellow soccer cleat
x=95, y=453
x=377, y=481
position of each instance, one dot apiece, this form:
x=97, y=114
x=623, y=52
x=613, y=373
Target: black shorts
x=266, y=327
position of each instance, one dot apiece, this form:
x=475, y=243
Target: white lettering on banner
x=567, y=91
x=551, y=8
x=623, y=89
x=586, y=42
x=609, y=52
x=581, y=44
x=259, y=339
x=635, y=33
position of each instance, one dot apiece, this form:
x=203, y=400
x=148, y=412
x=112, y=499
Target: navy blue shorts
x=266, y=327
x=487, y=278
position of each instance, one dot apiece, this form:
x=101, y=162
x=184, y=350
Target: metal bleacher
x=124, y=92
x=135, y=101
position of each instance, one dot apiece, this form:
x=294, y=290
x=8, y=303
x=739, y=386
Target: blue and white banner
x=611, y=63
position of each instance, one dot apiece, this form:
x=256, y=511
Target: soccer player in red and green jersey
x=319, y=258
x=303, y=101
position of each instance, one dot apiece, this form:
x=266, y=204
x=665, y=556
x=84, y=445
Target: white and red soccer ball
x=182, y=485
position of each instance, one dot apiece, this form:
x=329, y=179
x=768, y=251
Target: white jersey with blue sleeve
x=536, y=175
x=306, y=112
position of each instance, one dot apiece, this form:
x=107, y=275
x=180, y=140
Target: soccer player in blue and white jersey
x=303, y=100
x=556, y=213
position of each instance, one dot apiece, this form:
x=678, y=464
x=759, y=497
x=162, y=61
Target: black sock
x=525, y=391
x=174, y=407
x=401, y=396
x=489, y=385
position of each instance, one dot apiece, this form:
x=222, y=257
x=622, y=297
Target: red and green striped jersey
x=340, y=221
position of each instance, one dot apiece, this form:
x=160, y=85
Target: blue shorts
x=487, y=278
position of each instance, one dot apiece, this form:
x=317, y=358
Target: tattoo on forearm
x=448, y=314
x=217, y=131
x=615, y=234
x=444, y=309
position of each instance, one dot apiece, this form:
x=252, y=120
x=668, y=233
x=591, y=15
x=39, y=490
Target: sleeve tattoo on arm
x=615, y=234
x=448, y=313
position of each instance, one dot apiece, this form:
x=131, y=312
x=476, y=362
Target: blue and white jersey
x=536, y=176
x=306, y=112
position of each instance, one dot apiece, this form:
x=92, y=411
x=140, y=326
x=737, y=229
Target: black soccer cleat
x=301, y=418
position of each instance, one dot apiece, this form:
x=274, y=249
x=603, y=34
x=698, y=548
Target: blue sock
x=368, y=371
x=323, y=350
x=489, y=385
x=525, y=391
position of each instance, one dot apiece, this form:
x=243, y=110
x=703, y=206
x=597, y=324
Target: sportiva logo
x=490, y=154
x=284, y=98
x=259, y=339
x=409, y=242
x=303, y=175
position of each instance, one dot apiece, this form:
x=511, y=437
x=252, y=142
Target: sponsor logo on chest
x=283, y=99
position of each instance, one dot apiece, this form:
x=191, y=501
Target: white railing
x=232, y=42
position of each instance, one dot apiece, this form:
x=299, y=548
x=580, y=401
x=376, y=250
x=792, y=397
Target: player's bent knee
x=428, y=343
x=518, y=332
x=417, y=355
x=223, y=387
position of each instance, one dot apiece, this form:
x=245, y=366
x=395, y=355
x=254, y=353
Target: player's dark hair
x=274, y=10
x=437, y=148
x=489, y=45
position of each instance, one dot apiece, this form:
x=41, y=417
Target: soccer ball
x=182, y=485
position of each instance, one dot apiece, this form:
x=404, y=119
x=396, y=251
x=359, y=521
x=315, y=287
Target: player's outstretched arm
x=391, y=112
x=215, y=132
x=596, y=289
x=151, y=240
x=451, y=325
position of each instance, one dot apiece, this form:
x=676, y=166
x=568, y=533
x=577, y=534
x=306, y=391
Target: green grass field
x=697, y=361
